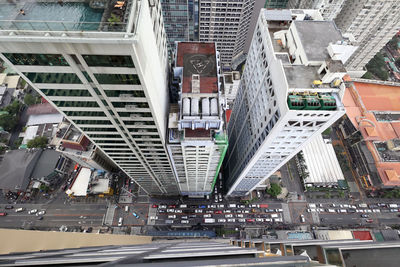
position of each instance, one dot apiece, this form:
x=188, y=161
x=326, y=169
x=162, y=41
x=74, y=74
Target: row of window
x=59, y=60
x=72, y=78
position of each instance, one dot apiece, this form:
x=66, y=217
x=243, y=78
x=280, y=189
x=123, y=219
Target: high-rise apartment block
x=197, y=140
x=225, y=22
x=373, y=24
x=290, y=91
x=108, y=78
x=181, y=20
x=329, y=9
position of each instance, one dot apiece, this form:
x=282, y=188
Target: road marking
x=71, y=215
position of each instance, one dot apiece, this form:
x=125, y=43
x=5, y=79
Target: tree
x=38, y=141
x=377, y=66
x=274, y=190
x=368, y=75
x=13, y=108
x=29, y=99
x=8, y=121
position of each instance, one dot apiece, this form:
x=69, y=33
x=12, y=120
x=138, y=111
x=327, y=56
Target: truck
x=209, y=220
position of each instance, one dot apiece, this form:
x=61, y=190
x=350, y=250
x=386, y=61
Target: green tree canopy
x=38, y=141
x=8, y=121
x=13, y=108
x=29, y=99
x=274, y=190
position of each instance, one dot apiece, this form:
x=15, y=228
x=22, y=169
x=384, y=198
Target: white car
x=183, y=206
x=268, y=220
x=376, y=210
x=162, y=206
x=241, y=220
x=153, y=217
x=259, y=220
x=246, y=211
x=212, y=206
x=239, y=215
x=198, y=211
x=178, y=211
x=221, y=220
x=171, y=216
x=120, y=221
x=171, y=210
x=221, y=206
x=42, y=212
x=278, y=210
x=228, y=215
x=207, y=216
x=185, y=221
x=32, y=211
x=231, y=220
x=227, y=211
x=368, y=210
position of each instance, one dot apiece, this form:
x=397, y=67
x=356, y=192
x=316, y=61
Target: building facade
x=181, y=20
x=227, y=24
x=286, y=95
x=197, y=140
x=107, y=78
x=276, y=3
x=231, y=86
x=373, y=24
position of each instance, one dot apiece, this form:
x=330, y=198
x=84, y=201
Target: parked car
x=120, y=220
x=42, y=212
x=32, y=211
x=302, y=219
x=136, y=215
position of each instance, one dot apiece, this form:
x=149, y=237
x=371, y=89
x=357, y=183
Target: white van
x=126, y=208
x=120, y=221
x=19, y=209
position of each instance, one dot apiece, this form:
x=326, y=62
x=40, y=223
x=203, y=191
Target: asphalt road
x=56, y=215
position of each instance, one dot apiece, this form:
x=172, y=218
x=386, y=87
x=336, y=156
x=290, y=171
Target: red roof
x=198, y=58
x=362, y=235
x=45, y=108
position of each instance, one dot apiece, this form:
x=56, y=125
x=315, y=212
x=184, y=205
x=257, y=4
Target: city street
x=55, y=216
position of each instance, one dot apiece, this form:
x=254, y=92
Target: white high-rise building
x=373, y=24
x=197, y=140
x=329, y=9
x=225, y=22
x=108, y=78
x=290, y=91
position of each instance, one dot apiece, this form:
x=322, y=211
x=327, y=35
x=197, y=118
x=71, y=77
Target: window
x=117, y=78
x=63, y=92
x=37, y=77
x=36, y=59
x=108, y=61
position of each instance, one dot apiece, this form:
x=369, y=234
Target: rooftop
x=45, y=108
x=315, y=37
x=198, y=58
x=301, y=76
x=17, y=167
x=377, y=97
x=59, y=15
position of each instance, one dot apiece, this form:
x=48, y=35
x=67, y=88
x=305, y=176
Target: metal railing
x=36, y=25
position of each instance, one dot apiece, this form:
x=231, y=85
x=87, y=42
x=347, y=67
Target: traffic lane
x=340, y=218
x=128, y=218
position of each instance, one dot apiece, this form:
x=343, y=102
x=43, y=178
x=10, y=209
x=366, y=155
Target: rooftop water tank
x=186, y=107
x=205, y=107
x=214, y=107
x=194, y=107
